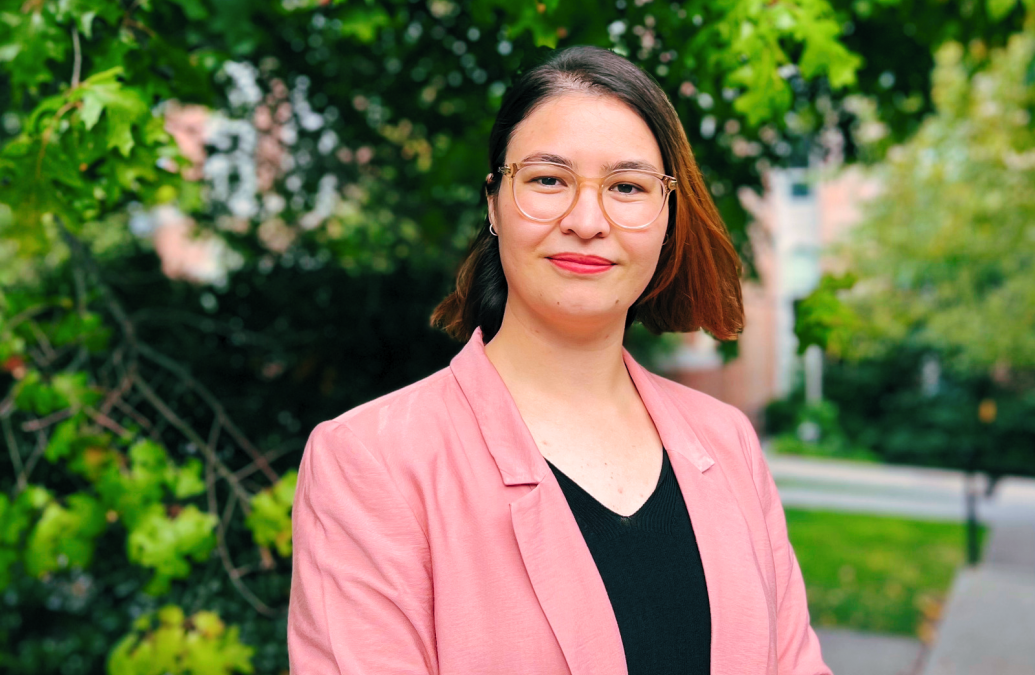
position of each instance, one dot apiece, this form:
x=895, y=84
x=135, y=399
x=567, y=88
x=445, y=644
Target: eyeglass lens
x=632, y=199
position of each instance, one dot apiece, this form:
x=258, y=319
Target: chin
x=592, y=311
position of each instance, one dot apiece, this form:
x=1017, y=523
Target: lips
x=581, y=264
x=582, y=259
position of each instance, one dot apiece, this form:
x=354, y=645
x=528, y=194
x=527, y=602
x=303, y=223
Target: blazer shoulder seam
x=379, y=460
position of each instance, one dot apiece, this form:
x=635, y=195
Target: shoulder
x=395, y=422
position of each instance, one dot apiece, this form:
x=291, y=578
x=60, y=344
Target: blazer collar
x=508, y=438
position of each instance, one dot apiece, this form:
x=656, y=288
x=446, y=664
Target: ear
x=491, y=199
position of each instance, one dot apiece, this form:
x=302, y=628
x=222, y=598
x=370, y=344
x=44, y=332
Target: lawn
x=875, y=573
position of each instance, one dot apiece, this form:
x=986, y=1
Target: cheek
x=520, y=245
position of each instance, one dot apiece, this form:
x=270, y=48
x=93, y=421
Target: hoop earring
x=492, y=229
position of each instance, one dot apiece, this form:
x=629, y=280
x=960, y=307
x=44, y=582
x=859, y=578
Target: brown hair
x=697, y=281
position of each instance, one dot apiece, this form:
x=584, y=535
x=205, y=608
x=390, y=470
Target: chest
x=517, y=587
x=615, y=457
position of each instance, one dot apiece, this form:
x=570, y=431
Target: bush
x=889, y=407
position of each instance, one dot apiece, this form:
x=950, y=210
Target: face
x=591, y=132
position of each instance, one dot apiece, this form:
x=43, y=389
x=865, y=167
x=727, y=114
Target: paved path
x=988, y=625
x=989, y=622
x=912, y=492
x=850, y=652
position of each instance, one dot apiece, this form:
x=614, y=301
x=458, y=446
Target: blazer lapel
x=566, y=582
x=559, y=564
x=740, y=613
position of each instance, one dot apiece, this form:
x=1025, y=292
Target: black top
x=652, y=570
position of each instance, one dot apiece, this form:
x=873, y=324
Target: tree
x=933, y=356
x=945, y=252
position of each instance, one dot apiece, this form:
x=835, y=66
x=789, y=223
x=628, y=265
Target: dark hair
x=697, y=281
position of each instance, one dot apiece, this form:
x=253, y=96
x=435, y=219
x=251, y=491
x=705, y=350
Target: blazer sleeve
x=797, y=647
x=361, y=588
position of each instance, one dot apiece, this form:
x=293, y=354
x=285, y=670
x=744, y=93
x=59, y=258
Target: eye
x=626, y=188
x=547, y=180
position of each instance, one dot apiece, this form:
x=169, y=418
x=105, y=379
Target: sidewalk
x=912, y=492
x=989, y=621
x=988, y=625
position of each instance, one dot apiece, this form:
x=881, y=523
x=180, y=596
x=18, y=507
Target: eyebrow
x=608, y=168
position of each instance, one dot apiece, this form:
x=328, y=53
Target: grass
x=790, y=444
x=875, y=573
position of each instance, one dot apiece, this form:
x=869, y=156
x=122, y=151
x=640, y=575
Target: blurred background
x=224, y=222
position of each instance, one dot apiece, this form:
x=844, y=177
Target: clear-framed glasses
x=631, y=199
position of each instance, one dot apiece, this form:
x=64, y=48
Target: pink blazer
x=431, y=536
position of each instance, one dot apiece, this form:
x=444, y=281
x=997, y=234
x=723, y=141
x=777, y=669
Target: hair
x=697, y=281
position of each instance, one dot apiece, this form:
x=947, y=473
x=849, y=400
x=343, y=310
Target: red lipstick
x=581, y=264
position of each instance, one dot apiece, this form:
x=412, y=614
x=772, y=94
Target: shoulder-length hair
x=697, y=280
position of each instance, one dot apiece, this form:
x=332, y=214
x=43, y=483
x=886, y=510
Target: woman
x=544, y=504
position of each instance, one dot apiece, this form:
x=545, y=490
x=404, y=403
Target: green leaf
x=200, y=645
x=61, y=441
x=15, y=519
x=165, y=544
x=998, y=9
x=363, y=23
x=821, y=318
x=122, y=106
x=86, y=23
x=34, y=395
x=270, y=519
x=75, y=389
x=64, y=537
x=31, y=40
x=194, y=9
x=186, y=481
x=136, y=494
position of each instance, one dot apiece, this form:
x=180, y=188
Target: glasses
x=630, y=198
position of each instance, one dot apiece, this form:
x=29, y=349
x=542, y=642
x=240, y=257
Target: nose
x=586, y=219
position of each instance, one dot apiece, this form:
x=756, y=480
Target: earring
x=492, y=229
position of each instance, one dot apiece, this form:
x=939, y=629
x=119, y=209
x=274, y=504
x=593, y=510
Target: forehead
x=590, y=130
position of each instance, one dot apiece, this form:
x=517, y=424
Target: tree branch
x=134, y=347
x=90, y=264
x=12, y=445
x=132, y=412
x=269, y=457
x=224, y=552
x=41, y=446
x=44, y=422
x=106, y=421
x=170, y=415
x=215, y=405
x=78, y=63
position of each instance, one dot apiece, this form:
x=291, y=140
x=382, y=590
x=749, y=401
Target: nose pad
x=586, y=218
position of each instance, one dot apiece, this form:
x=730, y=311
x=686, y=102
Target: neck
x=573, y=364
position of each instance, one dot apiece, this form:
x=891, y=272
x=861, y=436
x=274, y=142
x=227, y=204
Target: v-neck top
x=651, y=567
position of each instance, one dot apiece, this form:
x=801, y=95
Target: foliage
x=817, y=433
x=877, y=574
x=286, y=366
x=821, y=318
x=270, y=519
x=199, y=645
x=945, y=254
x=904, y=407
x=898, y=40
